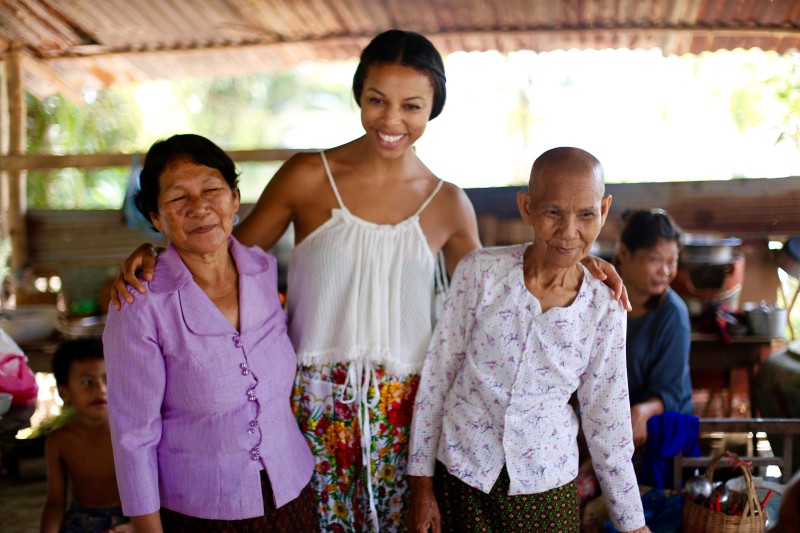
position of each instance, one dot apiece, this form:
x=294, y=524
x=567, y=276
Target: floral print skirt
x=330, y=417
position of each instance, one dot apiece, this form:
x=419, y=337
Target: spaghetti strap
x=429, y=198
x=330, y=179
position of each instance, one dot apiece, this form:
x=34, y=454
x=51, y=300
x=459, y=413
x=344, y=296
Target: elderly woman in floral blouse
x=493, y=440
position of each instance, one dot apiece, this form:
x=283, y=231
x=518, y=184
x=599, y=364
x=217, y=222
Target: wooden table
x=712, y=362
x=18, y=417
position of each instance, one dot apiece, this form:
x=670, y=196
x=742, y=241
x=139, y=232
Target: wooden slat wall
x=752, y=209
x=61, y=239
x=86, y=247
x=84, y=238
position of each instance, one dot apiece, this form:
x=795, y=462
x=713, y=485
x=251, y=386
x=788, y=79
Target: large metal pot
x=708, y=249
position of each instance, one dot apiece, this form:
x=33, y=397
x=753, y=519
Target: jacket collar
x=200, y=314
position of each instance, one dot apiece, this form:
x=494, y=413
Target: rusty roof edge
x=774, y=32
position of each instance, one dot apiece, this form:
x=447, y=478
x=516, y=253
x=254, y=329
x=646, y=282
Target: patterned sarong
x=467, y=509
x=297, y=516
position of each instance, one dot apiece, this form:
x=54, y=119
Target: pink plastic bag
x=17, y=379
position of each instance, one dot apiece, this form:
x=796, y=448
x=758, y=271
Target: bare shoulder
x=298, y=171
x=57, y=438
x=454, y=194
x=451, y=205
x=450, y=224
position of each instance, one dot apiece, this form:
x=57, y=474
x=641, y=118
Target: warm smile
x=204, y=229
x=391, y=139
x=563, y=250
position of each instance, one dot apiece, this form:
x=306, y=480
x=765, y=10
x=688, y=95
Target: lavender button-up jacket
x=197, y=408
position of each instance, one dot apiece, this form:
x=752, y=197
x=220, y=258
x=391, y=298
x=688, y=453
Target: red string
x=735, y=461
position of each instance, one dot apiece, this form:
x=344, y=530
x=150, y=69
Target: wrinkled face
x=395, y=105
x=86, y=388
x=566, y=210
x=649, y=270
x=196, y=207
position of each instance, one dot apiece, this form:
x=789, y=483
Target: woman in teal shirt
x=658, y=337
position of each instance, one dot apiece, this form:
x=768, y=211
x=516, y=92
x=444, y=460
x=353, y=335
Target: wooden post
x=17, y=204
x=3, y=151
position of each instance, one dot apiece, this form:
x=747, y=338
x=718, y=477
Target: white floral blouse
x=498, y=376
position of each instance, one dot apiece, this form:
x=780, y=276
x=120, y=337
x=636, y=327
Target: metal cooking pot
x=766, y=321
x=708, y=249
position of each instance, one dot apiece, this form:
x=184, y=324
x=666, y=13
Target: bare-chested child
x=80, y=451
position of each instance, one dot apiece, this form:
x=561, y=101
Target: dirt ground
x=22, y=499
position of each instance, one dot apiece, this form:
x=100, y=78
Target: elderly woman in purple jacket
x=201, y=370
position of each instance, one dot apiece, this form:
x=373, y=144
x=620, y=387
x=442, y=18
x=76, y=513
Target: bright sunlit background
x=713, y=116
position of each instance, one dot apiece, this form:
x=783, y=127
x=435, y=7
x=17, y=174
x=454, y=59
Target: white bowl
x=90, y=326
x=30, y=323
x=5, y=403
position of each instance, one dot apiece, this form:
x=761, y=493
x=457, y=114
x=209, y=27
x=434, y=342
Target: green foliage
x=107, y=122
x=746, y=106
x=239, y=114
x=52, y=423
x=770, y=96
x=311, y=106
x=787, y=92
x=248, y=113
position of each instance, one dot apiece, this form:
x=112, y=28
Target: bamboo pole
x=46, y=161
x=17, y=204
x=4, y=152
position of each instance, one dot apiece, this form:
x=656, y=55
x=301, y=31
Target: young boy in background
x=81, y=450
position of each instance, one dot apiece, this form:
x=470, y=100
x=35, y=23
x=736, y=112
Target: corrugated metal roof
x=72, y=44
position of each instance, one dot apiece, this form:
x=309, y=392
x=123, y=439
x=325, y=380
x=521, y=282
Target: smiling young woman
x=369, y=218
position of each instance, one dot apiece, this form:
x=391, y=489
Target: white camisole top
x=361, y=291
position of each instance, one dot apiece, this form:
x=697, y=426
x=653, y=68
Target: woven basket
x=699, y=519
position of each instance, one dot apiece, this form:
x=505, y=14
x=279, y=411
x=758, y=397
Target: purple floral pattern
x=498, y=377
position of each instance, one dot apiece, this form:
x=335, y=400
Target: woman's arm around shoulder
x=143, y=259
x=605, y=272
x=282, y=198
x=264, y=225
